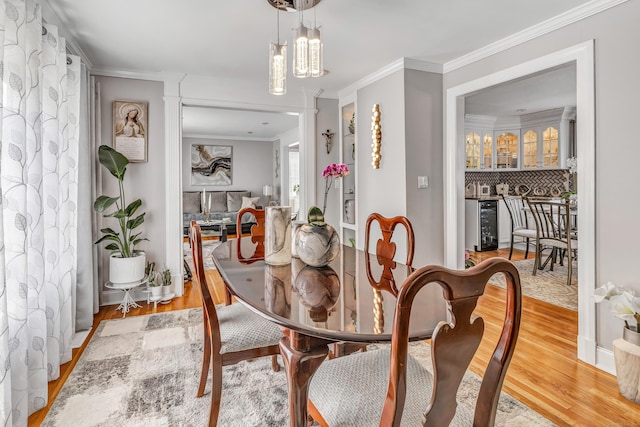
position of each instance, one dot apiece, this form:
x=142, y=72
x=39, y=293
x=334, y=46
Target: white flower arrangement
x=623, y=303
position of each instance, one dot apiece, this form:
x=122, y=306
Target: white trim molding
x=569, y=17
x=129, y=74
x=583, y=55
x=173, y=181
x=605, y=360
x=400, y=64
x=229, y=137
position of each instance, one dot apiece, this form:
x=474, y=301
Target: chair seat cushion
x=525, y=232
x=242, y=329
x=559, y=243
x=350, y=391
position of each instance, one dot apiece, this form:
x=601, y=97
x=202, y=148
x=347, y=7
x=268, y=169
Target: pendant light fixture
x=301, y=50
x=278, y=63
x=315, y=50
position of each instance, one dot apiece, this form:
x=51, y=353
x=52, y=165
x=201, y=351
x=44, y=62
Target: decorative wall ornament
x=210, y=164
x=376, y=136
x=328, y=136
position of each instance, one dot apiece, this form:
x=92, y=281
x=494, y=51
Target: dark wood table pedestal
x=302, y=356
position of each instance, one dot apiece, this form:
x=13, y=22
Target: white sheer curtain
x=38, y=224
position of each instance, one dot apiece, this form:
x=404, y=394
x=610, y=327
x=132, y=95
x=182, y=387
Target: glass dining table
x=351, y=300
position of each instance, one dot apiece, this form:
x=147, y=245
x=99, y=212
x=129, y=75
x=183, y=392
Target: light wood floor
x=544, y=373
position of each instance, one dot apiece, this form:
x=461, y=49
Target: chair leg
x=206, y=362
x=274, y=363
x=526, y=251
x=228, y=298
x=216, y=391
x=536, y=261
x=569, y=268
x=511, y=247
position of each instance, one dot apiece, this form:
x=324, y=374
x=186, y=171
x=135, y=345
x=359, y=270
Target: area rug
x=144, y=371
x=548, y=286
x=207, y=250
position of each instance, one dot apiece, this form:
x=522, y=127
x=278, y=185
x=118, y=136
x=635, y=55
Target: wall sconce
x=376, y=136
x=328, y=136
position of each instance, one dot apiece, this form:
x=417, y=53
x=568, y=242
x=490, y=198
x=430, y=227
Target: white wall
x=251, y=167
x=142, y=180
x=327, y=118
x=382, y=190
x=617, y=61
x=424, y=150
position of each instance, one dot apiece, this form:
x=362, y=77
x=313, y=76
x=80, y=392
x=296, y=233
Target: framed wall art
x=130, y=120
x=211, y=164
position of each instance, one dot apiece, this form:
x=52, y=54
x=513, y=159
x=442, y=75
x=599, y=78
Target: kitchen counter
x=483, y=198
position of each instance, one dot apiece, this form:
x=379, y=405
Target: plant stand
x=127, y=301
x=627, y=357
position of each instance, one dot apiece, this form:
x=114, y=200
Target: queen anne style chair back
x=402, y=395
x=386, y=249
x=257, y=234
x=553, y=229
x=519, y=222
x=232, y=333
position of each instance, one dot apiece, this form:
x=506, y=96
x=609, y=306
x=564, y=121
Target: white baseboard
x=605, y=361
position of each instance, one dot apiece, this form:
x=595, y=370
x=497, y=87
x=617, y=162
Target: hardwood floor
x=544, y=373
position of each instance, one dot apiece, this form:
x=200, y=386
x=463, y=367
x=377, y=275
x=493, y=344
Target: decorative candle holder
x=277, y=239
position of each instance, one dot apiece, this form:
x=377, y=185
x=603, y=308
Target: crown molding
x=569, y=17
x=397, y=65
x=129, y=74
x=230, y=138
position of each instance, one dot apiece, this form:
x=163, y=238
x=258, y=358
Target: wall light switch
x=423, y=182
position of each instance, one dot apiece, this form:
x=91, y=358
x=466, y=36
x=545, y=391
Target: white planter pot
x=166, y=290
x=127, y=270
x=156, y=291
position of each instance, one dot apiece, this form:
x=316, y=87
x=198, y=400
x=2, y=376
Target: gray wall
x=617, y=61
x=424, y=145
x=251, y=168
x=381, y=190
x=327, y=118
x=139, y=176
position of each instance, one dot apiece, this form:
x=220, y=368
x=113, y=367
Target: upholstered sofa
x=224, y=205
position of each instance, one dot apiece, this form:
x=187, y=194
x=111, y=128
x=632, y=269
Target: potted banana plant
x=127, y=263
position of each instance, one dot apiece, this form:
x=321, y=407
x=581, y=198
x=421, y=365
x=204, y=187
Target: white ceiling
x=543, y=91
x=221, y=38
x=241, y=124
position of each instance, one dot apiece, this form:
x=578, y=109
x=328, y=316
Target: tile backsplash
x=542, y=179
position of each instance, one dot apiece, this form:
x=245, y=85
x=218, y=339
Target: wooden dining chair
x=553, y=230
x=519, y=222
x=386, y=387
x=385, y=252
x=232, y=333
x=386, y=249
x=256, y=232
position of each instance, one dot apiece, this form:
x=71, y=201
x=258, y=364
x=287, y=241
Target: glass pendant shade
x=315, y=53
x=277, y=68
x=301, y=53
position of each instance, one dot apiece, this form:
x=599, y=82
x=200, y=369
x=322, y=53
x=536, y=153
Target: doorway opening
x=582, y=55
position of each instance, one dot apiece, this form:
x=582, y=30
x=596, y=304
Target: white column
x=173, y=181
